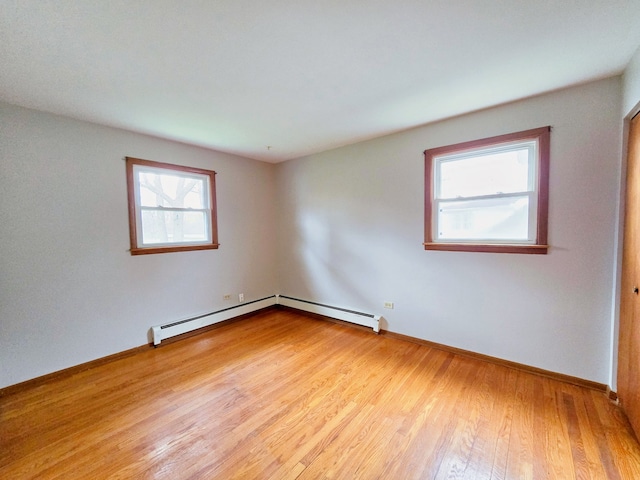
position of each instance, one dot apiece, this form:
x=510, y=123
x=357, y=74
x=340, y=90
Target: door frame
x=619, y=249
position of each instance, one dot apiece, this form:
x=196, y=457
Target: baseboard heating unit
x=352, y=316
x=162, y=332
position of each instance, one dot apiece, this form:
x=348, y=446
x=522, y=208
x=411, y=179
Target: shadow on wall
x=330, y=261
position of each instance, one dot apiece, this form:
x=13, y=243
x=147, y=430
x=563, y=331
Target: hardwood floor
x=283, y=396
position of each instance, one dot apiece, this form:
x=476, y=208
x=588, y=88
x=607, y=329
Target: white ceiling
x=301, y=76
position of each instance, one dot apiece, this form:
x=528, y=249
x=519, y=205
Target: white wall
x=351, y=233
x=69, y=290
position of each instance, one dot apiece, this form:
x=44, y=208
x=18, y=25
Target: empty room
x=304, y=240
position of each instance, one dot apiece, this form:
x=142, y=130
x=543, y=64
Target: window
x=489, y=195
x=171, y=208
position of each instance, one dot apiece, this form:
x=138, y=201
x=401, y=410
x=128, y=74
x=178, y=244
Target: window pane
x=173, y=227
x=486, y=174
x=491, y=219
x=170, y=190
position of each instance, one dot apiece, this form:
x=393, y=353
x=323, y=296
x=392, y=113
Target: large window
x=171, y=208
x=489, y=195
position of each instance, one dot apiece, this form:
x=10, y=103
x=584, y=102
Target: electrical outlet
x=241, y=297
x=388, y=305
x=227, y=296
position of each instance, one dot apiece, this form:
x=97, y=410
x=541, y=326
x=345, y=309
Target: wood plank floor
x=283, y=396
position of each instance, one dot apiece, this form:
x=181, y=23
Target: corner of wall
x=631, y=87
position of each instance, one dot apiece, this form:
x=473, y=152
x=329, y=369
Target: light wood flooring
x=283, y=396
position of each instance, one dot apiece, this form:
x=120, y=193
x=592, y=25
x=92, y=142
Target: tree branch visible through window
x=178, y=210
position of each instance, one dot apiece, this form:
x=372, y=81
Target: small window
x=171, y=208
x=489, y=195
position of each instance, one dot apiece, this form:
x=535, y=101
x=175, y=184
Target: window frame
x=135, y=208
x=542, y=137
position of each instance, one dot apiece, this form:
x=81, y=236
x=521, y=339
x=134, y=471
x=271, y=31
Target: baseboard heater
x=351, y=316
x=162, y=332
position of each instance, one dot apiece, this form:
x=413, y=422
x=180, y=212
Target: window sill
x=477, y=247
x=183, y=248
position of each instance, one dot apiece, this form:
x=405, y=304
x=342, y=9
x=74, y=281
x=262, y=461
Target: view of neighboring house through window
x=489, y=195
x=171, y=207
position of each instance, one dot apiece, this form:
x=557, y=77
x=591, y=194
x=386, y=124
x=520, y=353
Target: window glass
x=485, y=174
x=167, y=190
x=505, y=218
x=173, y=227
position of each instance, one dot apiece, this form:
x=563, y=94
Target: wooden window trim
x=133, y=233
x=542, y=135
